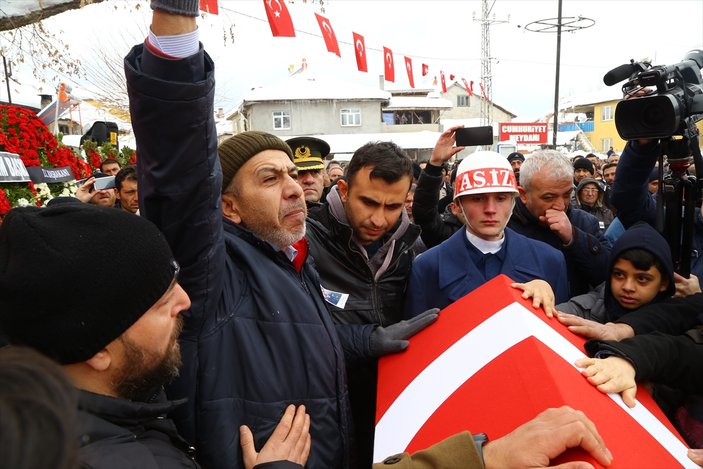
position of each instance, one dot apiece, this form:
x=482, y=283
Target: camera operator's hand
x=559, y=223
x=444, y=149
x=84, y=192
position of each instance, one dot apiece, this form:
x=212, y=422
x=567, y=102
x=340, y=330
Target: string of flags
x=281, y=24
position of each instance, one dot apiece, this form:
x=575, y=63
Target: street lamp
x=557, y=25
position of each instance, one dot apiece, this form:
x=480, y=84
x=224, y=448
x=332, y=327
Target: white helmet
x=482, y=172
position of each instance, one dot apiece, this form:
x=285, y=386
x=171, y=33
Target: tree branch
x=13, y=22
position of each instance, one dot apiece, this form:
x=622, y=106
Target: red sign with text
x=535, y=133
x=490, y=363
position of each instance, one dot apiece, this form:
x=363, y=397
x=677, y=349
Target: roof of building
x=417, y=102
x=307, y=86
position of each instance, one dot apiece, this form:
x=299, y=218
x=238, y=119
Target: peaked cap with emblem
x=308, y=152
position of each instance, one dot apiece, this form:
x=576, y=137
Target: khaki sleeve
x=456, y=452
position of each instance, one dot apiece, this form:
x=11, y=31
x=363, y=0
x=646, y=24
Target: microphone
x=619, y=74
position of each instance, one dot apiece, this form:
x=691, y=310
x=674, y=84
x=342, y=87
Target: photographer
x=633, y=202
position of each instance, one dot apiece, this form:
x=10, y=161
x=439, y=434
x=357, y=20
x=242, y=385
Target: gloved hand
x=391, y=339
x=177, y=7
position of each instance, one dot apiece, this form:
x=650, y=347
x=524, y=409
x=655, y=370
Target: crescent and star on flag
x=360, y=47
x=276, y=12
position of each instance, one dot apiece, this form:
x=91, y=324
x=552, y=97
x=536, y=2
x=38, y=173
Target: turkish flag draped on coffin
x=490, y=363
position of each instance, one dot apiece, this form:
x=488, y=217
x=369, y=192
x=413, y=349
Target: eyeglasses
x=590, y=191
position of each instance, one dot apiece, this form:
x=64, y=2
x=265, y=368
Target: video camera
x=668, y=111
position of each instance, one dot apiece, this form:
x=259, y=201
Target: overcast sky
x=441, y=34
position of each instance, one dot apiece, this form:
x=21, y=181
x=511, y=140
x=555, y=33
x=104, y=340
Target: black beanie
x=74, y=277
x=237, y=150
x=583, y=163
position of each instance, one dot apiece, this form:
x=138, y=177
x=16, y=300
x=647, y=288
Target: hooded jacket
x=600, y=305
x=598, y=210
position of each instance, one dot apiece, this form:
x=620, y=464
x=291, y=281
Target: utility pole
x=8, y=74
x=486, y=74
x=558, y=25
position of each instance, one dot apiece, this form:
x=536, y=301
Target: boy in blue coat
x=486, y=191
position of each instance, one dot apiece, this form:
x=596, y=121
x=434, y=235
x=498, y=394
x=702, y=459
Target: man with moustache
x=117, y=346
x=257, y=336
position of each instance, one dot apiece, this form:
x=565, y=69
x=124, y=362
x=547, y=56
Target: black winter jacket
x=257, y=336
x=373, y=298
x=436, y=227
x=121, y=434
x=587, y=255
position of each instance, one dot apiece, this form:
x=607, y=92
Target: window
x=281, y=120
x=606, y=113
x=350, y=117
x=462, y=101
x=605, y=144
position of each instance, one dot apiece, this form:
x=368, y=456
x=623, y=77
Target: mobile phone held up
x=474, y=136
x=104, y=183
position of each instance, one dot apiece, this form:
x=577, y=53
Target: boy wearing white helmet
x=485, y=191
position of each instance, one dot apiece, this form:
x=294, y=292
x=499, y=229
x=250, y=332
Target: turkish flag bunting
x=425, y=69
x=209, y=6
x=360, y=51
x=469, y=89
x=451, y=77
x=389, y=66
x=483, y=91
x=279, y=18
x=409, y=67
x=444, y=83
x=328, y=35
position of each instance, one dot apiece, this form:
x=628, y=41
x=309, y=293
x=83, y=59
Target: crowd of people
x=257, y=283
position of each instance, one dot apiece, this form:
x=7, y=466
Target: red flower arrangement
x=23, y=133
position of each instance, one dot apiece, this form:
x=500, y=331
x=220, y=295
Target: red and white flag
x=444, y=83
x=469, y=89
x=451, y=78
x=209, y=6
x=409, y=68
x=389, y=66
x=483, y=91
x=360, y=51
x=425, y=69
x=328, y=35
x=279, y=18
x=492, y=362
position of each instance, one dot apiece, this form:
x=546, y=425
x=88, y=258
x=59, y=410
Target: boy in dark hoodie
x=640, y=272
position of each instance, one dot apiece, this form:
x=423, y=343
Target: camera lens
x=653, y=115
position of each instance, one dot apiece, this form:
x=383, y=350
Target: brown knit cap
x=237, y=150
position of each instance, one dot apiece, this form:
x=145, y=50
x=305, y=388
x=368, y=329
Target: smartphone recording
x=474, y=136
x=104, y=183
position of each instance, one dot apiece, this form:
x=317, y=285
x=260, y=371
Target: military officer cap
x=308, y=152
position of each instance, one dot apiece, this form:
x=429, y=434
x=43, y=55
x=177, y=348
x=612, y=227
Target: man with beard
x=257, y=336
x=118, y=346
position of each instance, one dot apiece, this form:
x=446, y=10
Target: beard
x=145, y=371
x=281, y=237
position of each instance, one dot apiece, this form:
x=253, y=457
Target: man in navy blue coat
x=485, y=189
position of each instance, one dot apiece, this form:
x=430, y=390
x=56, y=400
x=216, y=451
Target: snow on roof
x=349, y=143
x=417, y=102
x=304, y=85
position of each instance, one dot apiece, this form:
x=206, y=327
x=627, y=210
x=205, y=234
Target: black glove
x=177, y=7
x=391, y=339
